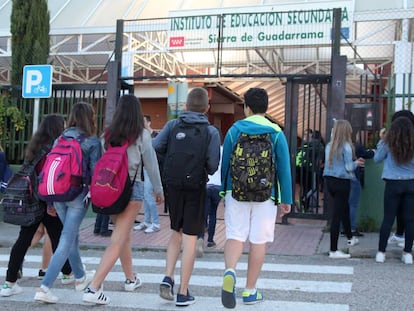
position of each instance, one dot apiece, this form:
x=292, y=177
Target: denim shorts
x=138, y=191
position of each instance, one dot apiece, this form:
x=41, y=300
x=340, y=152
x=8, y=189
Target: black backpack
x=252, y=168
x=184, y=163
x=21, y=203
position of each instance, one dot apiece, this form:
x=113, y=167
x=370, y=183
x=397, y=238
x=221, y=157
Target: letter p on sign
x=37, y=81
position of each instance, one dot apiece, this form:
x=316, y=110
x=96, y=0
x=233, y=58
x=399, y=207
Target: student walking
x=151, y=218
x=250, y=211
x=192, y=149
x=127, y=126
x=338, y=171
x=396, y=149
x=49, y=129
x=81, y=123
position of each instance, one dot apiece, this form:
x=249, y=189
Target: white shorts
x=253, y=220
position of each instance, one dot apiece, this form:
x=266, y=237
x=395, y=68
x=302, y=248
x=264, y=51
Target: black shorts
x=186, y=209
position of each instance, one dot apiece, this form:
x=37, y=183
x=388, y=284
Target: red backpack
x=111, y=186
x=61, y=178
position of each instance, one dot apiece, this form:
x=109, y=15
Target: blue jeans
x=212, y=201
x=354, y=196
x=150, y=208
x=71, y=215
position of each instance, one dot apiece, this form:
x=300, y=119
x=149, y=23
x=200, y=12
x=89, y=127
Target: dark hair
x=403, y=113
x=82, y=116
x=197, y=100
x=127, y=123
x=49, y=129
x=257, y=100
x=400, y=140
x=148, y=117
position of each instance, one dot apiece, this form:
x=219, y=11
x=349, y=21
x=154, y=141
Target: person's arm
x=283, y=170
x=160, y=142
x=149, y=158
x=213, y=151
x=381, y=152
x=225, y=161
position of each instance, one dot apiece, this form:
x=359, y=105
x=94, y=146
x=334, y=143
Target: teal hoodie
x=253, y=125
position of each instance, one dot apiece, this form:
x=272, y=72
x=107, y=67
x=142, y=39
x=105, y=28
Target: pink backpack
x=111, y=186
x=61, y=178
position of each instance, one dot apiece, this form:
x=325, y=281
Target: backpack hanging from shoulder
x=21, y=203
x=184, y=164
x=111, y=186
x=62, y=175
x=252, y=168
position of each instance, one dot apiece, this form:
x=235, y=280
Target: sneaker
x=380, y=257
x=339, y=255
x=106, y=233
x=402, y=244
x=184, y=300
x=353, y=241
x=228, y=291
x=130, y=286
x=47, y=297
x=141, y=226
x=67, y=279
x=41, y=274
x=97, y=297
x=199, y=248
x=87, y=278
x=357, y=233
x=8, y=289
x=211, y=244
x=395, y=239
x=167, y=288
x=250, y=299
x=407, y=258
x=152, y=228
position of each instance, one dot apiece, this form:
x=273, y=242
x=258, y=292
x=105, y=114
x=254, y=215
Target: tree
x=30, y=36
x=10, y=117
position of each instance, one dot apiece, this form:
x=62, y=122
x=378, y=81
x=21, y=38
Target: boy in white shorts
x=251, y=214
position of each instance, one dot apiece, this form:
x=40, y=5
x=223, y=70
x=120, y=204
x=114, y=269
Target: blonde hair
x=341, y=134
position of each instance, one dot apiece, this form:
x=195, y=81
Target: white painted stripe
x=216, y=281
x=216, y=265
x=154, y=302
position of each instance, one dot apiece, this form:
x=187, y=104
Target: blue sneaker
x=167, y=288
x=184, y=300
x=250, y=299
x=228, y=291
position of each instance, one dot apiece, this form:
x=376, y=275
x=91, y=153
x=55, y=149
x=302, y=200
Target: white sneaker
x=82, y=285
x=338, y=255
x=407, y=258
x=152, y=228
x=199, y=248
x=380, y=257
x=141, y=226
x=97, y=297
x=393, y=239
x=47, y=297
x=130, y=286
x=67, y=279
x=353, y=241
x=8, y=289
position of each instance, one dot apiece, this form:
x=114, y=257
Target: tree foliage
x=30, y=36
x=10, y=117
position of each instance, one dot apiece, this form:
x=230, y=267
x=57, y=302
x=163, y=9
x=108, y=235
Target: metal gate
x=306, y=130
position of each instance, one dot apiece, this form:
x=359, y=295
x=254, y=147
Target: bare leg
x=257, y=254
x=173, y=251
x=232, y=252
x=187, y=261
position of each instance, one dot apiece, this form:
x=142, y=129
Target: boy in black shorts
x=191, y=149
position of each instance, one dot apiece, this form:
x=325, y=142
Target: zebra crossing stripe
x=217, y=265
x=215, y=281
x=154, y=302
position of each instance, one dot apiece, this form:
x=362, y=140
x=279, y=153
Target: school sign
x=281, y=25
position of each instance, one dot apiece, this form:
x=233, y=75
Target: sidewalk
x=298, y=237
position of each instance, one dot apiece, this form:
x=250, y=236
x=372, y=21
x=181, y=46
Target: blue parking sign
x=37, y=81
